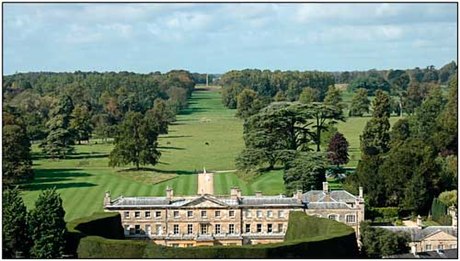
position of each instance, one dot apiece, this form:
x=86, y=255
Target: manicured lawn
x=205, y=135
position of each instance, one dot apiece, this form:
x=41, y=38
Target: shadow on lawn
x=170, y=148
x=176, y=136
x=81, y=155
x=49, y=178
x=179, y=172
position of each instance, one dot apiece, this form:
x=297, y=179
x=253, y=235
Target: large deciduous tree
x=446, y=138
x=14, y=229
x=17, y=161
x=47, y=227
x=161, y=116
x=306, y=171
x=58, y=143
x=334, y=98
x=80, y=123
x=248, y=104
x=136, y=142
x=309, y=95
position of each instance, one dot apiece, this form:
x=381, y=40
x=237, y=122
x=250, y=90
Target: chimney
x=107, y=199
x=258, y=194
x=453, y=214
x=419, y=221
x=361, y=193
x=325, y=187
x=235, y=193
x=169, y=193
x=299, y=195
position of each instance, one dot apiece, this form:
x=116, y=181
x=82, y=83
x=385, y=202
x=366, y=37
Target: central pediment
x=206, y=202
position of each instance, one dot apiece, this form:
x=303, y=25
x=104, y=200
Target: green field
x=205, y=135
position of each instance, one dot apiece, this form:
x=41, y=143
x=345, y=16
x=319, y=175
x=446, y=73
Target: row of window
x=348, y=218
x=190, y=214
x=204, y=229
x=259, y=213
x=440, y=246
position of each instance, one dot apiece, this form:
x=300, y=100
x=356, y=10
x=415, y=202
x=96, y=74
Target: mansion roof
x=418, y=234
x=314, y=199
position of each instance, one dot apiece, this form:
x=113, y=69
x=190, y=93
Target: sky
x=216, y=38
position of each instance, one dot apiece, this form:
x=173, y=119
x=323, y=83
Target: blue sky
x=216, y=38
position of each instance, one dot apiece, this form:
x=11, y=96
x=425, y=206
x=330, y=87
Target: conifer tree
x=47, y=227
x=14, y=229
x=58, y=143
x=359, y=103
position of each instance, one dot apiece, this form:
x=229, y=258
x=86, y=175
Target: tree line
x=414, y=161
x=59, y=110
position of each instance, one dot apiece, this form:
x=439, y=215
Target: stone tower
x=205, y=183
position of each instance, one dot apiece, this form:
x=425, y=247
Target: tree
x=309, y=95
x=279, y=96
x=375, y=138
x=161, y=116
x=177, y=98
x=379, y=242
x=136, y=142
x=449, y=198
x=425, y=125
x=338, y=150
x=360, y=103
x=14, y=228
x=17, y=161
x=399, y=132
x=446, y=137
x=80, y=123
x=47, y=227
x=248, y=104
x=334, y=98
x=399, y=80
x=58, y=143
x=416, y=93
x=371, y=83
x=306, y=171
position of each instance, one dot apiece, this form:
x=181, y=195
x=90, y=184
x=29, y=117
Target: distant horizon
x=214, y=73
x=220, y=37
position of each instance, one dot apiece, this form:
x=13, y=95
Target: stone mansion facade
x=207, y=219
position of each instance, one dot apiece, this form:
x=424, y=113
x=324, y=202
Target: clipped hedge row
x=307, y=237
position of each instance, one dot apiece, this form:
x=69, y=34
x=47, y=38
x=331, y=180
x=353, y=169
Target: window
x=217, y=213
x=428, y=248
x=247, y=213
x=453, y=246
x=231, y=213
x=137, y=214
x=157, y=214
x=231, y=228
x=190, y=229
x=280, y=228
x=159, y=229
x=333, y=217
x=269, y=228
x=248, y=228
x=217, y=229
x=176, y=214
x=280, y=213
x=175, y=245
x=137, y=229
x=148, y=230
x=175, y=229
x=259, y=213
x=259, y=228
x=147, y=214
x=269, y=213
x=440, y=247
x=350, y=218
x=189, y=213
x=204, y=214
x=126, y=214
x=126, y=228
x=204, y=229
x=189, y=245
